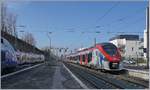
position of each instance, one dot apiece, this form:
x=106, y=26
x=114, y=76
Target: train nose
x=115, y=59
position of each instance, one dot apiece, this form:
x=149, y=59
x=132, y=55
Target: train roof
x=102, y=44
x=105, y=43
x=90, y=48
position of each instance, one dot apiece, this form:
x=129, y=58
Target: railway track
x=122, y=76
x=94, y=81
x=103, y=80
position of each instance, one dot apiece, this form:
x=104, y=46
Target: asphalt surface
x=46, y=76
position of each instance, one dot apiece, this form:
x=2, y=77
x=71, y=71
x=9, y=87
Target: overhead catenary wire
x=130, y=24
x=124, y=18
x=102, y=17
x=72, y=30
x=94, y=32
x=108, y=11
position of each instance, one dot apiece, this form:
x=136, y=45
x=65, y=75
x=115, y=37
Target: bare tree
x=8, y=21
x=11, y=22
x=28, y=37
x=3, y=17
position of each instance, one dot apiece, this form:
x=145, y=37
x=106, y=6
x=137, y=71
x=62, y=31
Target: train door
x=78, y=59
x=95, y=58
x=81, y=59
x=3, y=58
x=89, y=59
x=86, y=59
x=99, y=59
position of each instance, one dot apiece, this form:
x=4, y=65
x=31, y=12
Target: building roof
x=127, y=37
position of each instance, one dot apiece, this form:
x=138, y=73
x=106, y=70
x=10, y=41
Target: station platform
x=138, y=71
x=49, y=75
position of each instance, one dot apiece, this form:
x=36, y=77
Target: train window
x=78, y=57
x=132, y=48
x=2, y=40
x=3, y=55
x=74, y=58
x=83, y=58
x=110, y=49
x=89, y=56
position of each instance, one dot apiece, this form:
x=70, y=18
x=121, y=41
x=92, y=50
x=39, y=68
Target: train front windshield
x=110, y=49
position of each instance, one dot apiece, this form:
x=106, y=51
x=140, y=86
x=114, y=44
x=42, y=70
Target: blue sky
x=41, y=17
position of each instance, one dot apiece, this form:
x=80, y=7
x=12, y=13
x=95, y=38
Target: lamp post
x=22, y=36
x=49, y=40
x=20, y=26
x=16, y=36
x=97, y=32
x=137, y=58
x=147, y=27
x=21, y=32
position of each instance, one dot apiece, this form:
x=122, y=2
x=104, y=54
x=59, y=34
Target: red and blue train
x=104, y=56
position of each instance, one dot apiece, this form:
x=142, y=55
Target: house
x=131, y=46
